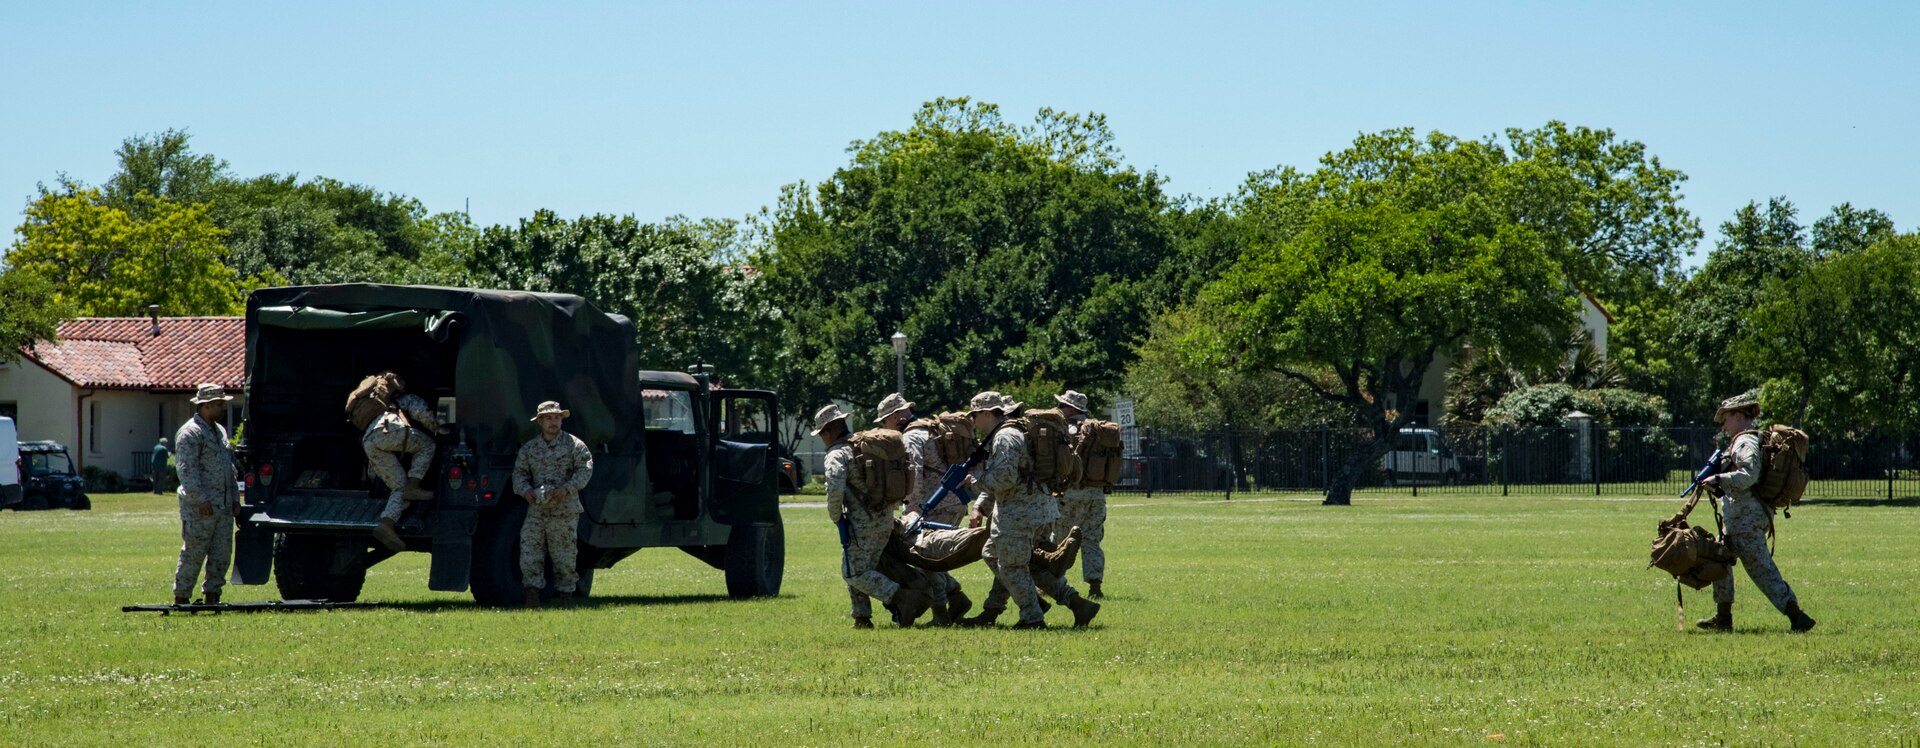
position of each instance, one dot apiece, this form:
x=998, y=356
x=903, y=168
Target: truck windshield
x=49, y=463
x=669, y=410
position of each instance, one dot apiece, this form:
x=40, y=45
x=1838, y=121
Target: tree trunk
x=1340, y=489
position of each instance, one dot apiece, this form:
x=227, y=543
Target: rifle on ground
x=949, y=484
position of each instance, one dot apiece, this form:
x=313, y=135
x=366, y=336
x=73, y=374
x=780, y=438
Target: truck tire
x=318, y=567
x=756, y=559
x=80, y=503
x=495, y=578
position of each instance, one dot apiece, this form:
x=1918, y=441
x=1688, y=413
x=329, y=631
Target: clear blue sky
x=706, y=109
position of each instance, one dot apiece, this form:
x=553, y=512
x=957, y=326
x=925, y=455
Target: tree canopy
x=103, y=261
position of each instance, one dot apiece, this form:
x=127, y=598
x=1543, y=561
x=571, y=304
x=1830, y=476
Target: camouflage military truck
x=677, y=463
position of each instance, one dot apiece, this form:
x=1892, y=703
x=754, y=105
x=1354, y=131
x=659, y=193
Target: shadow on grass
x=586, y=603
x=1904, y=501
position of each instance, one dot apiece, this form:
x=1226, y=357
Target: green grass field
x=1426, y=621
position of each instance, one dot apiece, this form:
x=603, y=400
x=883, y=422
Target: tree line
x=1030, y=256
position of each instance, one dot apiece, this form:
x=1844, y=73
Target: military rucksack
x=1783, y=466
x=1099, y=448
x=952, y=435
x=1051, y=457
x=1691, y=554
x=878, y=474
x=374, y=396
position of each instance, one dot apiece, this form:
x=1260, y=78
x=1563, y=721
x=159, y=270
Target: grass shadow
x=1903, y=502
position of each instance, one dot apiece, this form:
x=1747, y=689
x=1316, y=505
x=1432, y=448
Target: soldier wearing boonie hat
x=549, y=472
x=1745, y=520
x=1084, y=507
x=208, y=496
x=1020, y=510
x=864, y=531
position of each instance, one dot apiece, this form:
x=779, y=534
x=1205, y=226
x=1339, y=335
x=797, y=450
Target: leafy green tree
x=1005, y=253
x=29, y=312
x=162, y=165
x=1173, y=389
x=1407, y=248
x=687, y=304
x=106, y=262
x=326, y=231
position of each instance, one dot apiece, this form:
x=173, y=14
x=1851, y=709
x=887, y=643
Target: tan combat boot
x=986, y=618
x=1722, y=621
x=413, y=491
x=213, y=598
x=1061, y=558
x=565, y=599
x=533, y=598
x=181, y=602
x=863, y=623
x=385, y=533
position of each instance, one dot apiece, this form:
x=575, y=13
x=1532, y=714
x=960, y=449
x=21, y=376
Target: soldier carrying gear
x=865, y=526
x=1020, y=510
x=549, y=472
x=1746, y=519
x=1085, y=505
x=392, y=424
x=925, y=468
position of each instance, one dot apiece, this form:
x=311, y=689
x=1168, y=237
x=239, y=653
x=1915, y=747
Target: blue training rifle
x=1705, y=472
x=949, y=485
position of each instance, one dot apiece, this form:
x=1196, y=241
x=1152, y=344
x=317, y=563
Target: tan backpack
x=1099, y=448
x=1691, y=554
x=878, y=475
x=1053, y=462
x=952, y=436
x=374, y=396
x=1783, y=466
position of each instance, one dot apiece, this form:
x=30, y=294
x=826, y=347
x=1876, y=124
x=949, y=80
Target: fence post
x=1326, y=434
x=1892, y=457
x=1226, y=444
x=1599, y=442
x=1506, y=457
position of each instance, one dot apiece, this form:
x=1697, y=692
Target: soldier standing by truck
x=393, y=424
x=208, y=497
x=549, y=472
x=1083, y=506
x=1021, y=510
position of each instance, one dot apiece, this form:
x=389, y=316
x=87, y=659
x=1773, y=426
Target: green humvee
x=677, y=462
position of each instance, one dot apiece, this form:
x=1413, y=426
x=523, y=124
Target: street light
x=899, y=362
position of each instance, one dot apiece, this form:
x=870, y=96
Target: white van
x=1420, y=456
x=9, y=463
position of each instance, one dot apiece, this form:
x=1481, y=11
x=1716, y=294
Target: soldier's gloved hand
x=974, y=519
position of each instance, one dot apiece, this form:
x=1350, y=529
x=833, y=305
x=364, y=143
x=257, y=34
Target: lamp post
x=899, y=362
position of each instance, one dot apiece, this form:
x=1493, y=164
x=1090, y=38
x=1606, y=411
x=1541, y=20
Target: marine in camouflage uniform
x=1020, y=510
x=549, y=472
x=925, y=468
x=1084, y=507
x=864, y=530
x=208, y=497
x=406, y=429
x=1746, y=521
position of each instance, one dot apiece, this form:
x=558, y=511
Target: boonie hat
x=1743, y=400
x=1071, y=399
x=891, y=404
x=825, y=417
x=991, y=400
x=209, y=392
x=549, y=407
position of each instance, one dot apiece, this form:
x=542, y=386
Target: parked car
x=9, y=463
x=48, y=480
x=1420, y=456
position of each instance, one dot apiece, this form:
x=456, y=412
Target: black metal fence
x=1478, y=460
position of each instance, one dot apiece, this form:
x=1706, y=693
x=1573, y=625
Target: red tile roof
x=123, y=352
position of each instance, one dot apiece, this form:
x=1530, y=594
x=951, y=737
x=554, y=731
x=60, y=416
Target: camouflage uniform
x=1085, y=508
x=1745, y=524
x=552, y=527
x=387, y=438
x=927, y=468
x=1021, y=510
x=205, y=465
x=867, y=533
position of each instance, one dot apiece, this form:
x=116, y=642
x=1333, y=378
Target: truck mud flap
x=252, y=555
x=452, y=551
